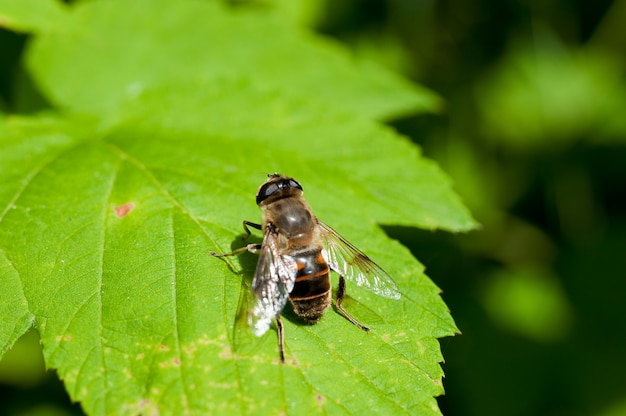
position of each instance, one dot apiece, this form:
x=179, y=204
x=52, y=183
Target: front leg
x=247, y=223
x=252, y=248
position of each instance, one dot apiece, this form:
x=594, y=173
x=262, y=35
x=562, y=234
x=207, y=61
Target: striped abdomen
x=311, y=294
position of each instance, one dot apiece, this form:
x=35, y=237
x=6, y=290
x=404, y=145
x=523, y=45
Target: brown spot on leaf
x=123, y=210
x=320, y=401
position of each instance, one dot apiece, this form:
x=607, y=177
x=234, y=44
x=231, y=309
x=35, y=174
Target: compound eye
x=265, y=191
x=294, y=184
x=272, y=187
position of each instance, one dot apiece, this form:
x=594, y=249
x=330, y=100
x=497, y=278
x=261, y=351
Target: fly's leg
x=281, y=338
x=252, y=248
x=251, y=224
x=341, y=291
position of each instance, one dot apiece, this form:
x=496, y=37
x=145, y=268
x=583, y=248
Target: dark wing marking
x=354, y=265
x=273, y=280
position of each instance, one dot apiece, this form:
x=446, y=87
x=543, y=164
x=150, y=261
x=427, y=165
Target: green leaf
x=16, y=319
x=135, y=315
x=554, y=95
x=152, y=43
x=106, y=223
x=529, y=301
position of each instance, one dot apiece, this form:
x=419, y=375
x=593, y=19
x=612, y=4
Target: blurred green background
x=533, y=134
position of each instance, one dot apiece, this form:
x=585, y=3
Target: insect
x=295, y=258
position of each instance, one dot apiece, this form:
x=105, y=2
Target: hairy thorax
x=293, y=220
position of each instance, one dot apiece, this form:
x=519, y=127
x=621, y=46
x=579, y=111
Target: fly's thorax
x=293, y=218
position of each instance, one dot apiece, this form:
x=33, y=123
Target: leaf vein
x=162, y=188
x=105, y=216
x=354, y=370
x=181, y=371
x=32, y=174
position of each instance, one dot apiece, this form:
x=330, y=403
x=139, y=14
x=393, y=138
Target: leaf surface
x=153, y=43
x=135, y=315
x=106, y=222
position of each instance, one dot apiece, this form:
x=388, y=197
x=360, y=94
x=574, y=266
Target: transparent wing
x=354, y=265
x=244, y=341
x=273, y=279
